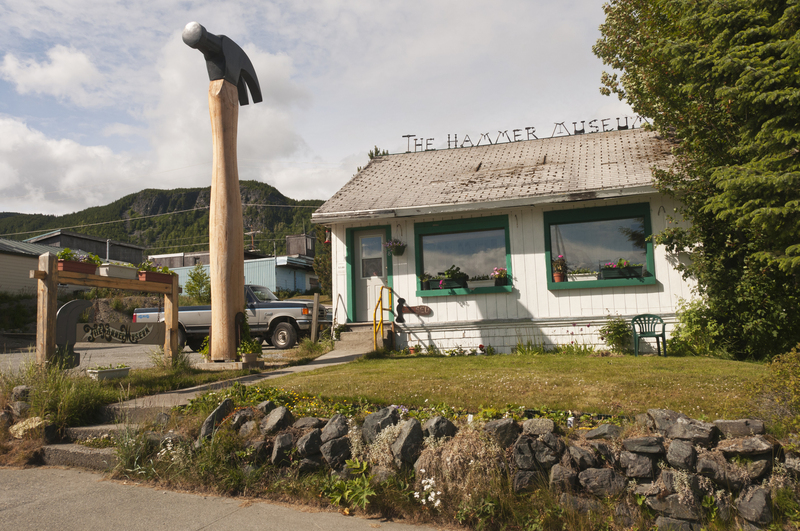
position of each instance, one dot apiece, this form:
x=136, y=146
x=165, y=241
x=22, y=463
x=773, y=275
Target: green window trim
x=462, y=225
x=557, y=217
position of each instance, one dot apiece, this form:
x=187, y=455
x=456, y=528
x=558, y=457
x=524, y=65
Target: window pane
x=588, y=245
x=476, y=253
x=371, y=256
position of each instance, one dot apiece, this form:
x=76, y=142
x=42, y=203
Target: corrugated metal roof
x=550, y=167
x=32, y=249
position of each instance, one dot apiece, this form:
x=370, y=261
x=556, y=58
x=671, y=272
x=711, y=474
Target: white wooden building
x=515, y=205
x=16, y=261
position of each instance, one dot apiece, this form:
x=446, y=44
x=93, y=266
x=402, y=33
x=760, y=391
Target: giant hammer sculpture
x=231, y=73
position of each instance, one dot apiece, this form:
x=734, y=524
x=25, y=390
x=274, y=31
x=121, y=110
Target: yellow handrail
x=376, y=324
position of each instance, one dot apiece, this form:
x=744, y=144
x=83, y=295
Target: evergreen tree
x=721, y=80
x=198, y=287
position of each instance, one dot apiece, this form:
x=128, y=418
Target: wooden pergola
x=49, y=277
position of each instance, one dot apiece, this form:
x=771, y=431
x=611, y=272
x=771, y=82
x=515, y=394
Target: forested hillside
x=166, y=221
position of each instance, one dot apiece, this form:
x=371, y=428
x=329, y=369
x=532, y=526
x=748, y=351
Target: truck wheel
x=195, y=343
x=181, y=338
x=284, y=336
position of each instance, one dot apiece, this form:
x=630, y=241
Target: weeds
x=353, y=492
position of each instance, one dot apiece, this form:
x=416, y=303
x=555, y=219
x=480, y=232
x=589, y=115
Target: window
x=371, y=256
x=461, y=255
x=599, y=247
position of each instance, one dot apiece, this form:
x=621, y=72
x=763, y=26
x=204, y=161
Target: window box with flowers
x=500, y=276
x=151, y=272
x=69, y=260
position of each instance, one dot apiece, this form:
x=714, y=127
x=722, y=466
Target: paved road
x=54, y=498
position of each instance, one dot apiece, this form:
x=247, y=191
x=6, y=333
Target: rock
x=755, y=506
x=280, y=449
x=673, y=483
x=562, y=478
x=311, y=463
x=523, y=453
x=545, y=456
x=580, y=505
x=538, y=426
x=504, y=431
x=554, y=442
x=606, y=431
x=408, y=444
x=260, y=450
x=381, y=474
x=682, y=455
x=672, y=507
x=266, y=406
x=438, y=427
x=636, y=465
x=33, y=426
x=307, y=423
x=278, y=419
x=335, y=428
x=793, y=463
x=525, y=480
x=21, y=393
x=20, y=409
x=248, y=429
x=759, y=468
x=6, y=420
x=645, y=445
x=694, y=431
x=582, y=458
x=374, y=423
x=310, y=443
x=643, y=419
x=213, y=420
x=605, y=452
x=336, y=452
x=602, y=482
x=242, y=416
x=664, y=418
x=624, y=515
x=719, y=473
x=664, y=523
x=745, y=446
x=162, y=419
x=733, y=429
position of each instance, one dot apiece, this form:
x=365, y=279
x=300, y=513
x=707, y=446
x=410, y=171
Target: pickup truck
x=279, y=323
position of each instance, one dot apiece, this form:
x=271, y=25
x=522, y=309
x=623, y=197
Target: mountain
x=154, y=219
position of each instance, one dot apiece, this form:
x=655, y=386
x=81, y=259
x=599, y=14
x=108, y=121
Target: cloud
x=69, y=75
x=40, y=174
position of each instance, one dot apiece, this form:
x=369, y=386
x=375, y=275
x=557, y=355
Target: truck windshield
x=263, y=293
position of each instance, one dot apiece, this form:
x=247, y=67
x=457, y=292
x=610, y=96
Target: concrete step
x=97, y=432
x=76, y=455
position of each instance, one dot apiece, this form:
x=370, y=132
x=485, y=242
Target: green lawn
x=702, y=388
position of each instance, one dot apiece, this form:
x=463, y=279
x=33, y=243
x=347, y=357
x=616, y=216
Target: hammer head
x=224, y=60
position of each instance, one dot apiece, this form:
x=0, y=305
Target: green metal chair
x=646, y=325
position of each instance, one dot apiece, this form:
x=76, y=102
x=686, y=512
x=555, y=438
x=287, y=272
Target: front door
x=370, y=271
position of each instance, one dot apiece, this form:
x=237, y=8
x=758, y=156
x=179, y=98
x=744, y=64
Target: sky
x=101, y=98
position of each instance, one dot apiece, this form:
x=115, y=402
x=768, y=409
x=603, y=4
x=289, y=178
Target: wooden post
x=315, y=319
x=46, y=305
x=171, y=345
x=226, y=230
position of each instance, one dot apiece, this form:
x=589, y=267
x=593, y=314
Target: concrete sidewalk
x=53, y=498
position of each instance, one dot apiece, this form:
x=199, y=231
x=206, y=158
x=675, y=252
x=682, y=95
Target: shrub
x=776, y=398
x=617, y=335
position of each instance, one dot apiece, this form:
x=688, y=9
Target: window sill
x=464, y=291
x=607, y=283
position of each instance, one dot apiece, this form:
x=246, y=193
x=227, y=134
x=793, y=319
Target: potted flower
x=560, y=269
x=151, y=272
x=117, y=270
x=69, y=260
x=581, y=274
x=500, y=276
x=621, y=269
x=453, y=278
x=425, y=281
x=108, y=372
x=395, y=246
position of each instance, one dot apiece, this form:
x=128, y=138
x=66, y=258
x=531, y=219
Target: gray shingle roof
x=31, y=249
x=552, y=169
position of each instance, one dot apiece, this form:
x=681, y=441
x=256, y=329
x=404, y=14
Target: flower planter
x=152, y=276
x=559, y=277
x=501, y=281
x=450, y=283
x=481, y=283
x=117, y=271
x=425, y=285
x=77, y=267
x=621, y=272
x=398, y=250
x=108, y=374
x=581, y=277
